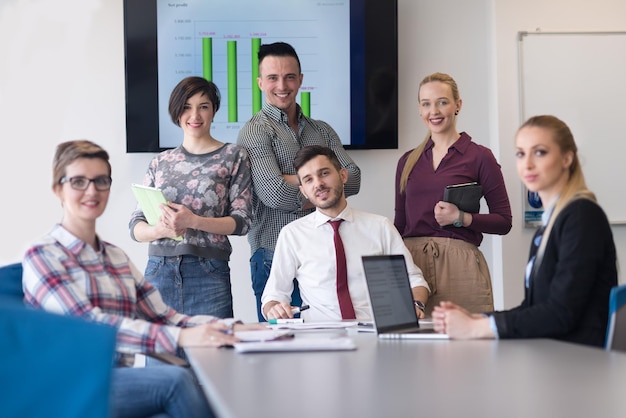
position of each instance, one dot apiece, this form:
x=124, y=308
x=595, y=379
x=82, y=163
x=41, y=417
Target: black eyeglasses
x=102, y=183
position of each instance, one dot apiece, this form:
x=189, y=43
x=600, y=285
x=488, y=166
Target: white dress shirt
x=305, y=250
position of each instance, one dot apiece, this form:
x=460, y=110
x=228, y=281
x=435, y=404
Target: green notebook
x=149, y=199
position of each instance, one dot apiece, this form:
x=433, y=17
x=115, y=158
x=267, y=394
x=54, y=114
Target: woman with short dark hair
x=209, y=189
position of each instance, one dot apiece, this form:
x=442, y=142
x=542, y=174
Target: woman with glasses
x=72, y=271
x=208, y=186
x=572, y=263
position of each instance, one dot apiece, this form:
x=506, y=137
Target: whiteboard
x=580, y=77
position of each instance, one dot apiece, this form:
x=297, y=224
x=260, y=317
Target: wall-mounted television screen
x=347, y=49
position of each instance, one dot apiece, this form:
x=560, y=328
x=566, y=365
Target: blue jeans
x=148, y=392
x=260, y=266
x=192, y=285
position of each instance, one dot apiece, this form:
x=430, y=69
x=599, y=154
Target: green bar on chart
x=256, y=91
x=207, y=58
x=231, y=69
x=305, y=103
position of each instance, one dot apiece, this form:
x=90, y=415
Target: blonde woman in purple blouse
x=443, y=239
x=208, y=186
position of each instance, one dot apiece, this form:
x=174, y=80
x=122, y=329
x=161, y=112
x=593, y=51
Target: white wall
x=62, y=77
x=551, y=15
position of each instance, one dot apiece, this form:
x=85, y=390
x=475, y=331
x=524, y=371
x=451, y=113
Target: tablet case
x=149, y=199
x=465, y=196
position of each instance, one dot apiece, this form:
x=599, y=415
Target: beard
x=333, y=199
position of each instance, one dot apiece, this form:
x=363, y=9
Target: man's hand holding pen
x=283, y=310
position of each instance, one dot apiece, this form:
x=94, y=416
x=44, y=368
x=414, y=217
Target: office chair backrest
x=11, y=282
x=616, y=331
x=11, y=292
x=53, y=365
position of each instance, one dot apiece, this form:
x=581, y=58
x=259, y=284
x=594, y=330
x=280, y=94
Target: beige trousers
x=455, y=270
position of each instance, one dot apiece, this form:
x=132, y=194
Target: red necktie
x=343, y=293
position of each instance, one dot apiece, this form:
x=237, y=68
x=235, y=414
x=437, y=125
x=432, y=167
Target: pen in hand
x=297, y=310
x=294, y=310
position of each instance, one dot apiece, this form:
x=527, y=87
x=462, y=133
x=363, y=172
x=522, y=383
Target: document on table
x=262, y=335
x=297, y=344
x=315, y=325
x=366, y=327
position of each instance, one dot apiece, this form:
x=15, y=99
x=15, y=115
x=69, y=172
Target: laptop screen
x=390, y=292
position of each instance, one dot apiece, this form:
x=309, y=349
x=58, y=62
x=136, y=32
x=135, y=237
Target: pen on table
x=275, y=321
x=297, y=310
x=231, y=327
x=294, y=310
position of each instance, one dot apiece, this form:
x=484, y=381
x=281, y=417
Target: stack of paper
x=297, y=344
x=313, y=325
x=262, y=335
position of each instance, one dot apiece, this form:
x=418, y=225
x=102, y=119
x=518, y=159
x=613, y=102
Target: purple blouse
x=465, y=162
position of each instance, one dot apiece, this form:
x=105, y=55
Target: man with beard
x=308, y=249
x=272, y=137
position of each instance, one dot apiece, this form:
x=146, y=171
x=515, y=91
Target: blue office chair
x=11, y=292
x=616, y=331
x=11, y=282
x=54, y=365
x=51, y=365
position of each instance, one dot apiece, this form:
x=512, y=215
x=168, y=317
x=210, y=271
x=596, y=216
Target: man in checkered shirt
x=272, y=138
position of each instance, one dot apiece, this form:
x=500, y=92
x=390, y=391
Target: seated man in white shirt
x=305, y=249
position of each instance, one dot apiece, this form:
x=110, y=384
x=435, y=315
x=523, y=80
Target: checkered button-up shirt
x=63, y=274
x=272, y=146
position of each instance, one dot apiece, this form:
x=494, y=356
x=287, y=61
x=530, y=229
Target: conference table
x=424, y=378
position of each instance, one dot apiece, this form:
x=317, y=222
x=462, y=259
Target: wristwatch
x=420, y=305
x=459, y=222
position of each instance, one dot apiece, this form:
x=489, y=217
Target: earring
x=456, y=113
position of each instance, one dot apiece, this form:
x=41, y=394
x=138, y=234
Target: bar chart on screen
x=219, y=40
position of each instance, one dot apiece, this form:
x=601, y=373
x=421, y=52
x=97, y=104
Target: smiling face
x=197, y=116
x=322, y=184
x=280, y=79
x=82, y=208
x=541, y=165
x=437, y=107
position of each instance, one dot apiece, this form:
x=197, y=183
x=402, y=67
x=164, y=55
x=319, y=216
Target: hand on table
x=459, y=323
x=214, y=334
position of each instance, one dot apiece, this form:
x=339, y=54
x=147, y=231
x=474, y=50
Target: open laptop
x=391, y=299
